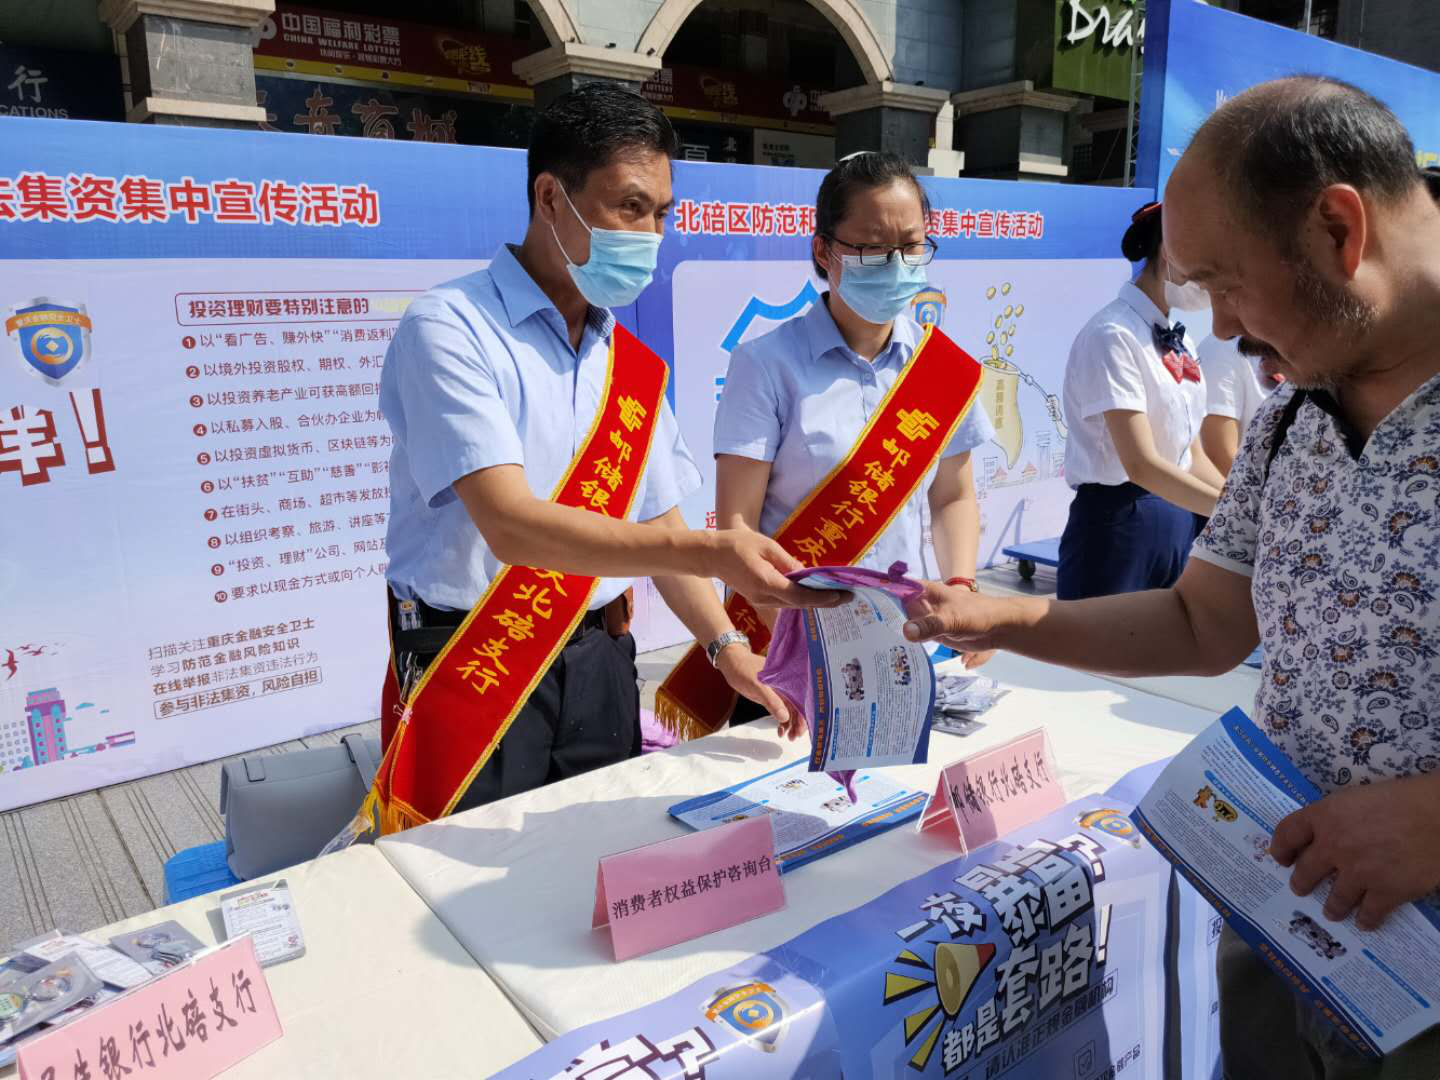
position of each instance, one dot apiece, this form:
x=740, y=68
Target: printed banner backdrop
x=1192, y=1027
x=1021, y=267
x=193, y=468
x=1219, y=53
x=1038, y=955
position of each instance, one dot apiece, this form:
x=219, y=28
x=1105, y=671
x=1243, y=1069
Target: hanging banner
x=194, y=473
x=1038, y=955
x=1216, y=54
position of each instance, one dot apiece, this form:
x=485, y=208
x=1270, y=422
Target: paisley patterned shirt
x=1342, y=543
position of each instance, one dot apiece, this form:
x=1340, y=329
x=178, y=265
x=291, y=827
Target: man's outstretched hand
x=959, y=618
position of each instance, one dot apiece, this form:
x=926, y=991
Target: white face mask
x=1187, y=297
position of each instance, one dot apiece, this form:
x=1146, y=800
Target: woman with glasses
x=1134, y=400
x=797, y=400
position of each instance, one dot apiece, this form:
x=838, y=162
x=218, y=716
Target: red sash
x=846, y=513
x=472, y=692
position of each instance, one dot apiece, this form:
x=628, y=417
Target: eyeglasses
x=919, y=253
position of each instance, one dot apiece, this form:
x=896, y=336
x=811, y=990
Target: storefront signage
x=60, y=85
x=1123, y=28
x=1094, y=40
x=691, y=93
x=327, y=43
x=379, y=112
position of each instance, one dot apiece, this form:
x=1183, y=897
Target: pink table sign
x=188, y=1024
x=981, y=798
x=687, y=887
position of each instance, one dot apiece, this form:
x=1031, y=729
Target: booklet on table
x=812, y=814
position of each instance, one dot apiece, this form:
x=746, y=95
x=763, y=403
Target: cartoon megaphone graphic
x=957, y=967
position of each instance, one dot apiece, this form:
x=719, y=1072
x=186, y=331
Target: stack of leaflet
x=961, y=699
x=55, y=978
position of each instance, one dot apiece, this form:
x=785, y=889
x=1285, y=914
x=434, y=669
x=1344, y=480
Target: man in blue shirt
x=490, y=387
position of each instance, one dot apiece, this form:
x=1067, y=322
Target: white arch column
x=561, y=68
x=191, y=61
x=844, y=15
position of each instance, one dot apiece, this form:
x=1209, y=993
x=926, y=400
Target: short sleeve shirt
x=1232, y=382
x=799, y=397
x=1114, y=365
x=481, y=373
x=1343, y=545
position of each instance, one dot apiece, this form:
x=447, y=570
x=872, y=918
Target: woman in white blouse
x=797, y=399
x=1236, y=386
x=1134, y=398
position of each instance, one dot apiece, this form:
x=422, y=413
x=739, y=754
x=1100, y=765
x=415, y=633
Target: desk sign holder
x=687, y=887
x=191, y=1023
x=982, y=797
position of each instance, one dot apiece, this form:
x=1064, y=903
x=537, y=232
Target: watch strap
x=723, y=642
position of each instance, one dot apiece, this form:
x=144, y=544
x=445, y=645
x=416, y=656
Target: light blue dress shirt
x=481, y=373
x=799, y=397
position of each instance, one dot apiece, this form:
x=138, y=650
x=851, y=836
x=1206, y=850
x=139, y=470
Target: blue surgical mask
x=621, y=263
x=879, y=293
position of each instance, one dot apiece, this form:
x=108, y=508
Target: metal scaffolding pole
x=1132, y=110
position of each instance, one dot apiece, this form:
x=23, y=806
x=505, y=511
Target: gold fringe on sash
x=680, y=721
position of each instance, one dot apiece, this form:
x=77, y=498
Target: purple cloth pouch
x=787, y=664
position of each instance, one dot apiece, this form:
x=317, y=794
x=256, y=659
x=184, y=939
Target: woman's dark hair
x=590, y=126
x=1141, y=241
x=859, y=172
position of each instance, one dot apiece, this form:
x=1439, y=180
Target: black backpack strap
x=1282, y=429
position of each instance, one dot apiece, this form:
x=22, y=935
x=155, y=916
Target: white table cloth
x=383, y=989
x=515, y=881
x=1216, y=694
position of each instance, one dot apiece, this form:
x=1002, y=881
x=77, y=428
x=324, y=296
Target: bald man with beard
x=1299, y=208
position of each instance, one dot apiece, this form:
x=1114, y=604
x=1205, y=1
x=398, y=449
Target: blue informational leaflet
x=1213, y=812
x=812, y=814
x=875, y=690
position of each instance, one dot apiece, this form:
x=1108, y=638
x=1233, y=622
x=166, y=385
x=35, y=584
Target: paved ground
x=92, y=859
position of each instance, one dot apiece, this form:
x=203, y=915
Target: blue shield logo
x=928, y=307
x=754, y=1011
x=53, y=337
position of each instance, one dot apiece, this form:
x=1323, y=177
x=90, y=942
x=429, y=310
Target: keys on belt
x=423, y=631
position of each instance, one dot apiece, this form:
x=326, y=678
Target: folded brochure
x=865, y=691
x=813, y=815
x=1213, y=812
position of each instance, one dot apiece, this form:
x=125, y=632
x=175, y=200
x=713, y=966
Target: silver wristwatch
x=724, y=641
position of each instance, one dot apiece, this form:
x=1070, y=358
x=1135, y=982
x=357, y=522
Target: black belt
x=438, y=625
x=1126, y=492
